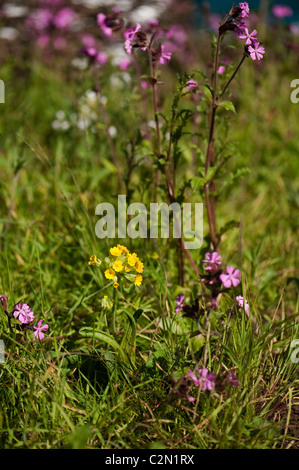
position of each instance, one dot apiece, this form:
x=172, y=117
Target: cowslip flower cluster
x=24, y=314
x=120, y=266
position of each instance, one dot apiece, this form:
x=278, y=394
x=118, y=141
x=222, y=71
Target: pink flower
x=256, y=51
x=294, y=28
x=144, y=84
x=110, y=23
x=88, y=40
x=221, y=69
x=192, y=85
x=95, y=56
x=179, y=302
x=39, y=330
x=3, y=301
x=214, y=21
x=245, y=9
x=40, y=20
x=59, y=43
x=250, y=37
x=104, y=24
x=241, y=302
x=164, y=56
x=206, y=380
x=213, y=260
x=130, y=36
x=282, y=11
x=231, y=278
x=65, y=18
x=101, y=58
x=23, y=313
x=125, y=64
x=43, y=40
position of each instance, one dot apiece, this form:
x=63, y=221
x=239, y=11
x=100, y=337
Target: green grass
x=82, y=390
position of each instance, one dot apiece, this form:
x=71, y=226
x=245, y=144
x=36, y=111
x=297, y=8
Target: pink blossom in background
x=221, y=70
x=88, y=40
x=192, y=84
x=40, y=20
x=241, y=301
x=144, y=84
x=23, y=313
x=164, y=56
x=59, y=43
x=214, y=21
x=256, y=51
x=282, y=11
x=231, y=278
x=43, y=40
x=191, y=399
x=101, y=58
x=65, y=18
x=110, y=23
x=38, y=333
x=125, y=64
x=103, y=23
x=294, y=28
x=177, y=34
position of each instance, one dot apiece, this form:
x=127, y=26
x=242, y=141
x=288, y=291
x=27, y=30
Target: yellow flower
x=107, y=303
x=138, y=280
x=123, y=249
x=115, y=251
x=118, y=266
x=116, y=285
x=93, y=259
x=132, y=259
x=109, y=274
x=139, y=267
x=127, y=269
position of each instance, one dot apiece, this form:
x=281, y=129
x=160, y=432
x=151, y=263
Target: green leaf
x=228, y=226
x=87, y=332
x=196, y=343
x=207, y=91
x=228, y=105
x=198, y=182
